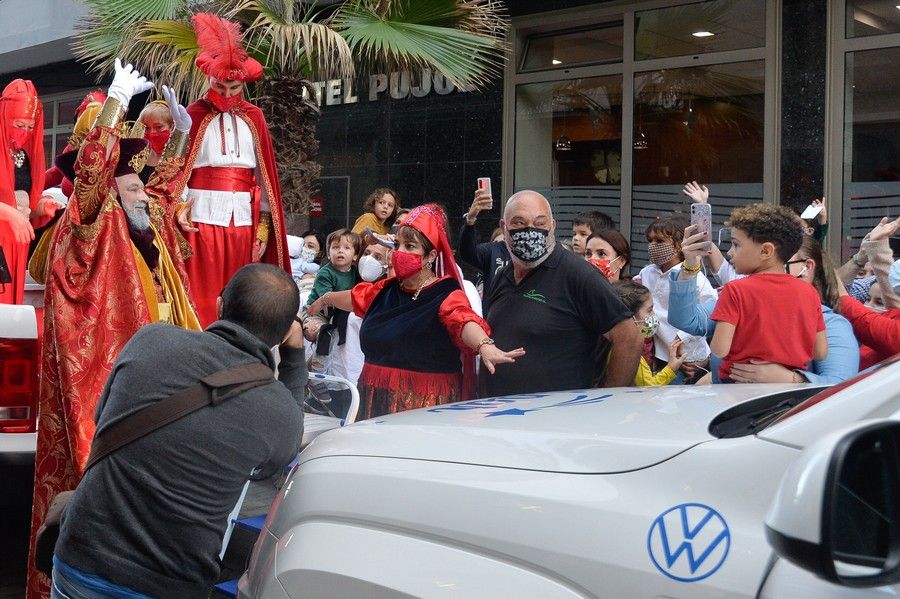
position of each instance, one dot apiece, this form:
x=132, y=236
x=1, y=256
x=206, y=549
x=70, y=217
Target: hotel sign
x=396, y=86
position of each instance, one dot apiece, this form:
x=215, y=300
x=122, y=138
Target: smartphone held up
x=701, y=217
x=484, y=184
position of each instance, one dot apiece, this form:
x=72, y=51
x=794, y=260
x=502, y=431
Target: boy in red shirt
x=770, y=315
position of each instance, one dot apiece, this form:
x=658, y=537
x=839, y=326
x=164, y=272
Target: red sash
x=222, y=178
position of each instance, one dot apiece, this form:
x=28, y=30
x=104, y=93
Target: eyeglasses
x=789, y=262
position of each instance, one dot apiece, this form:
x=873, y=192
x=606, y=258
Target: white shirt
x=220, y=207
x=696, y=348
x=349, y=358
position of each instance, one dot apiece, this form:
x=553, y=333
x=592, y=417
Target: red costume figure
x=109, y=275
x=233, y=197
x=21, y=180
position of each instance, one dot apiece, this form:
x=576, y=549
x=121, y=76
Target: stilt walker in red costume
x=22, y=207
x=232, y=213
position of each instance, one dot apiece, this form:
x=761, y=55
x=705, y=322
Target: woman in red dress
x=21, y=181
x=419, y=333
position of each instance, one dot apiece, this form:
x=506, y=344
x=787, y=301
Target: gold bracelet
x=264, y=226
x=483, y=342
x=177, y=145
x=690, y=269
x=110, y=114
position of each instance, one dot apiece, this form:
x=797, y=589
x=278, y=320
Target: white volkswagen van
x=676, y=492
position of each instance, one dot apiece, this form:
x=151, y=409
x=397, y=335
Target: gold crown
x=139, y=160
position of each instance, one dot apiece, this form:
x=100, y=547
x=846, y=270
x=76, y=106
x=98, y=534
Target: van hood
x=592, y=431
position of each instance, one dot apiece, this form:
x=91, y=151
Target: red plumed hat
x=222, y=55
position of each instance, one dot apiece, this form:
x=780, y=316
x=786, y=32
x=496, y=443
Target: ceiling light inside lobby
x=703, y=34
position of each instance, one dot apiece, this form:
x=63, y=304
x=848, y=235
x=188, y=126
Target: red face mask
x=405, y=264
x=603, y=265
x=157, y=140
x=222, y=103
x=19, y=137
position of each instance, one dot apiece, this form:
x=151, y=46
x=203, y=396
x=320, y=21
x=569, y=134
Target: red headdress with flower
x=431, y=221
x=20, y=101
x=222, y=55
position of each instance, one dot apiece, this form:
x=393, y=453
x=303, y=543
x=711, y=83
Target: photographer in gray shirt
x=148, y=519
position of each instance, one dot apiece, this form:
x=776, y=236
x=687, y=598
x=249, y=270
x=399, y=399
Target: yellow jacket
x=645, y=377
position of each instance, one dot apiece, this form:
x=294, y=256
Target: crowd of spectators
x=569, y=313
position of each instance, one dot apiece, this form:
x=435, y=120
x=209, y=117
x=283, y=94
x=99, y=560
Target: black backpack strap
x=211, y=390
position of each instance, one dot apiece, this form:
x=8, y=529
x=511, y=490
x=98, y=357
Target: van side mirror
x=837, y=510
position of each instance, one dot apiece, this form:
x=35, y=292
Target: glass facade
x=699, y=123
x=59, y=120
x=871, y=160
x=592, y=45
x=569, y=144
x=624, y=137
x=871, y=17
x=429, y=145
x=700, y=28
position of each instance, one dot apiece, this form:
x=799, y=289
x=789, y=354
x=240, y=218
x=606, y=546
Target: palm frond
x=166, y=51
x=292, y=42
x=462, y=39
x=104, y=33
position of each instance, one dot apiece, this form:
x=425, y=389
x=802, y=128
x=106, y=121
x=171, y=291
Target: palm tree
x=295, y=41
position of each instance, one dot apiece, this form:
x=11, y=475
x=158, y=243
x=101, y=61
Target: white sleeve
x=705, y=291
x=726, y=272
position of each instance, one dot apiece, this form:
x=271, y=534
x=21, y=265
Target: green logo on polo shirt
x=534, y=295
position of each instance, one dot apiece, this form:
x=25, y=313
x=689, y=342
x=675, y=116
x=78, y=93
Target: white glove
x=127, y=83
x=179, y=114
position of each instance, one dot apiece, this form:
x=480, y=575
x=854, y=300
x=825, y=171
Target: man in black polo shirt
x=555, y=305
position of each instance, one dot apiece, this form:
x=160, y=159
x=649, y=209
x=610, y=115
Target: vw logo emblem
x=689, y=542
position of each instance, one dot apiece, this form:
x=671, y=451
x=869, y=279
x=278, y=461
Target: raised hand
x=481, y=202
x=695, y=191
x=694, y=246
x=127, y=83
x=821, y=217
x=883, y=229
x=179, y=113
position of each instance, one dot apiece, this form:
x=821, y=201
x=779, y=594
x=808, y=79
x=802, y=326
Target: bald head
x=527, y=198
x=528, y=228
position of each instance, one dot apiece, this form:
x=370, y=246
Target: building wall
x=36, y=32
x=429, y=149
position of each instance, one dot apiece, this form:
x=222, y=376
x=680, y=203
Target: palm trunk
x=292, y=124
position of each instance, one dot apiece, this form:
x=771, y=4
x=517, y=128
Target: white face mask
x=370, y=269
x=308, y=254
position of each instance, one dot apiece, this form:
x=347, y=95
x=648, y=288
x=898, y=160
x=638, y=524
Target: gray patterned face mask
x=308, y=254
x=528, y=244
